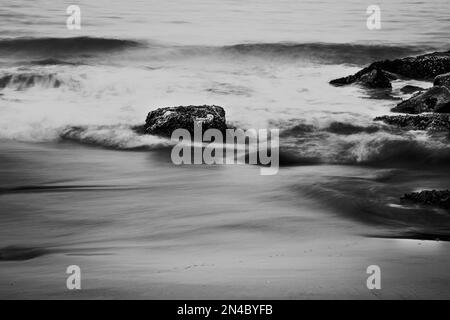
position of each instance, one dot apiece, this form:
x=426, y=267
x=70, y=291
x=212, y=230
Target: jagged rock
x=432, y=122
x=442, y=80
x=23, y=81
x=411, y=89
x=435, y=99
x=375, y=78
x=424, y=67
x=164, y=121
x=439, y=198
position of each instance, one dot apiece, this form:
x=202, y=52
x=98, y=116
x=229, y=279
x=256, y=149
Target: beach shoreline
x=222, y=244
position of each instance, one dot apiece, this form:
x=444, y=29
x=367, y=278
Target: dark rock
x=432, y=122
x=23, y=81
x=411, y=89
x=375, y=78
x=435, y=99
x=439, y=198
x=424, y=67
x=442, y=80
x=164, y=121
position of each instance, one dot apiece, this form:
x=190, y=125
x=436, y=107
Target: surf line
x=240, y=146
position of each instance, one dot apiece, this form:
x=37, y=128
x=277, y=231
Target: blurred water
x=268, y=64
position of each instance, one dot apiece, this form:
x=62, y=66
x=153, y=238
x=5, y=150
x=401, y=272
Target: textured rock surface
x=435, y=99
x=411, y=89
x=375, y=78
x=440, y=198
x=164, y=121
x=432, y=122
x=424, y=67
x=442, y=80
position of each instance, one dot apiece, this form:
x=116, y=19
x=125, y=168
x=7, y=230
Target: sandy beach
x=246, y=237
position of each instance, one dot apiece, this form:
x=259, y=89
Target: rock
x=23, y=81
x=432, y=122
x=424, y=67
x=439, y=198
x=435, y=99
x=164, y=121
x=411, y=89
x=442, y=80
x=375, y=78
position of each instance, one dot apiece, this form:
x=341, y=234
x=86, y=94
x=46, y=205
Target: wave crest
x=63, y=46
x=343, y=143
x=24, y=80
x=325, y=52
x=120, y=137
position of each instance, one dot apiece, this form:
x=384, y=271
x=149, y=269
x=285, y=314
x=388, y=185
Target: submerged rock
x=435, y=99
x=432, y=122
x=23, y=81
x=375, y=78
x=411, y=89
x=164, y=121
x=423, y=67
x=440, y=198
x=442, y=80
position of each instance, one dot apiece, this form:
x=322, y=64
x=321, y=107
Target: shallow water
x=140, y=227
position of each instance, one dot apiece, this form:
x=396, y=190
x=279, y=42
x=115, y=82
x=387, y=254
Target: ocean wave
x=64, y=46
x=327, y=53
x=24, y=80
x=53, y=62
x=331, y=53
x=361, y=146
x=119, y=137
x=338, y=53
x=374, y=145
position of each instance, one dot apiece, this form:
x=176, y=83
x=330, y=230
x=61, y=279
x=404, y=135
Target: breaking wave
x=334, y=53
x=24, y=80
x=374, y=145
x=63, y=46
x=360, y=147
x=325, y=52
x=120, y=137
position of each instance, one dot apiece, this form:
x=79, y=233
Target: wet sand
x=140, y=227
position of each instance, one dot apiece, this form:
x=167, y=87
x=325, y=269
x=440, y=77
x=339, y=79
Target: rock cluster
x=439, y=198
x=424, y=67
x=435, y=99
x=442, y=80
x=431, y=122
